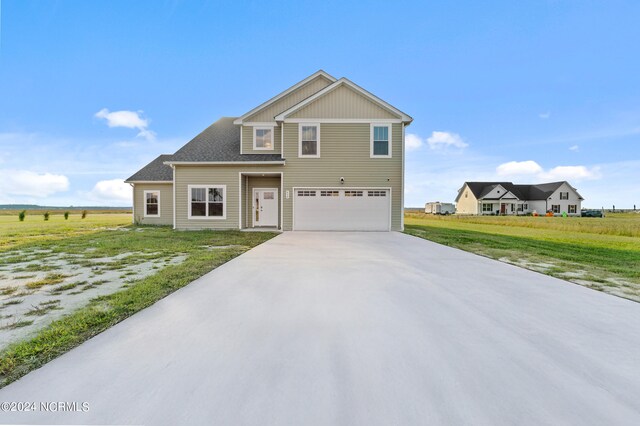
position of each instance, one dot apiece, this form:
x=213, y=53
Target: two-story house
x=506, y=198
x=324, y=154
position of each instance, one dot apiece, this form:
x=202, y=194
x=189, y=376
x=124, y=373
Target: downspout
x=133, y=205
x=173, y=167
x=402, y=190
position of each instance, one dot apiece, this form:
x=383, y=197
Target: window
x=381, y=140
x=207, y=202
x=309, y=140
x=555, y=208
x=526, y=206
x=263, y=138
x=487, y=208
x=513, y=207
x=268, y=195
x=377, y=193
x=329, y=193
x=564, y=195
x=306, y=193
x=573, y=208
x=353, y=193
x=520, y=208
x=152, y=203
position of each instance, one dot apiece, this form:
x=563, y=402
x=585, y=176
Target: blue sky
x=525, y=91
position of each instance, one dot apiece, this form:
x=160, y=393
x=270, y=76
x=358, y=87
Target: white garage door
x=351, y=209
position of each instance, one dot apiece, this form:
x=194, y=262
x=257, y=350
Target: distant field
x=603, y=254
x=35, y=228
x=60, y=211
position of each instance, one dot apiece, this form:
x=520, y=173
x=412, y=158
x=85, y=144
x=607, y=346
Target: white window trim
x=390, y=128
x=145, y=203
x=300, y=125
x=224, y=202
x=273, y=138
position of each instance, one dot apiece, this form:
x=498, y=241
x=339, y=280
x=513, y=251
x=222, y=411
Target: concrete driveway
x=356, y=329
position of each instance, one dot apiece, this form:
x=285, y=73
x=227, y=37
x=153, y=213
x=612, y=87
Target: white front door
x=265, y=207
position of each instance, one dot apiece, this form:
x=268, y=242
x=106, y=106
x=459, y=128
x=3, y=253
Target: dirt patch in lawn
x=598, y=280
x=38, y=286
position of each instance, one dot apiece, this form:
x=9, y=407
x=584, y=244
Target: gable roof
x=155, y=171
x=345, y=82
x=291, y=89
x=528, y=192
x=219, y=142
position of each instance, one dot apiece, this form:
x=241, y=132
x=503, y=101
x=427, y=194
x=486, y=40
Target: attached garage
x=344, y=209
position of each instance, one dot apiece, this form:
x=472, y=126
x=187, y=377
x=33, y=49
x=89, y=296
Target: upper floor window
x=564, y=195
x=207, y=202
x=151, y=203
x=309, y=140
x=381, y=140
x=263, y=138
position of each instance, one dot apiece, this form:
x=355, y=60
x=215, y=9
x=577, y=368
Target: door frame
x=253, y=207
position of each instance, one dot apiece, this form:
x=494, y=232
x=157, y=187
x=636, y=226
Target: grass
x=103, y=312
x=50, y=279
x=14, y=233
x=584, y=250
x=16, y=324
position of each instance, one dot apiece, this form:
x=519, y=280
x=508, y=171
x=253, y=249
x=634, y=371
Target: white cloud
x=28, y=183
x=531, y=170
x=572, y=173
x=439, y=140
x=111, y=191
x=128, y=119
x=412, y=142
x=574, y=148
x=544, y=115
x=519, y=168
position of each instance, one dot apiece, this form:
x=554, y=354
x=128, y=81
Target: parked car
x=591, y=213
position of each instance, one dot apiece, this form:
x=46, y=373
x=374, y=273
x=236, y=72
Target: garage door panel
x=350, y=209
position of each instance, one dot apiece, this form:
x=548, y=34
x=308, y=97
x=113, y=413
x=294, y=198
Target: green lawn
x=603, y=254
x=35, y=228
x=105, y=311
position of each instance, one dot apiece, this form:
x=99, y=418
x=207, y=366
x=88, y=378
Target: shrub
x=84, y=214
x=22, y=215
x=66, y=215
x=46, y=215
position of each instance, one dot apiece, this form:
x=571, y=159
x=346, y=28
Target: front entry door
x=265, y=207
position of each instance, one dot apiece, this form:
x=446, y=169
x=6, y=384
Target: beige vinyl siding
x=212, y=175
x=166, y=203
x=286, y=102
x=345, y=103
x=344, y=152
x=468, y=204
x=250, y=183
x=247, y=141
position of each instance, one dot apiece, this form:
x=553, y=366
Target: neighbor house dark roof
x=219, y=142
x=155, y=171
x=523, y=192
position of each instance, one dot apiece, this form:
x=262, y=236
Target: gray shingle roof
x=155, y=171
x=219, y=142
x=523, y=192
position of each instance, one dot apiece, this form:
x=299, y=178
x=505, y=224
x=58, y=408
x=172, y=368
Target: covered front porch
x=261, y=201
x=503, y=207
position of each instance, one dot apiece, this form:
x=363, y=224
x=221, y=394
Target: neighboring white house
x=506, y=198
x=439, y=208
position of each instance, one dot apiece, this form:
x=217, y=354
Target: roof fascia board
x=220, y=163
x=240, y=119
